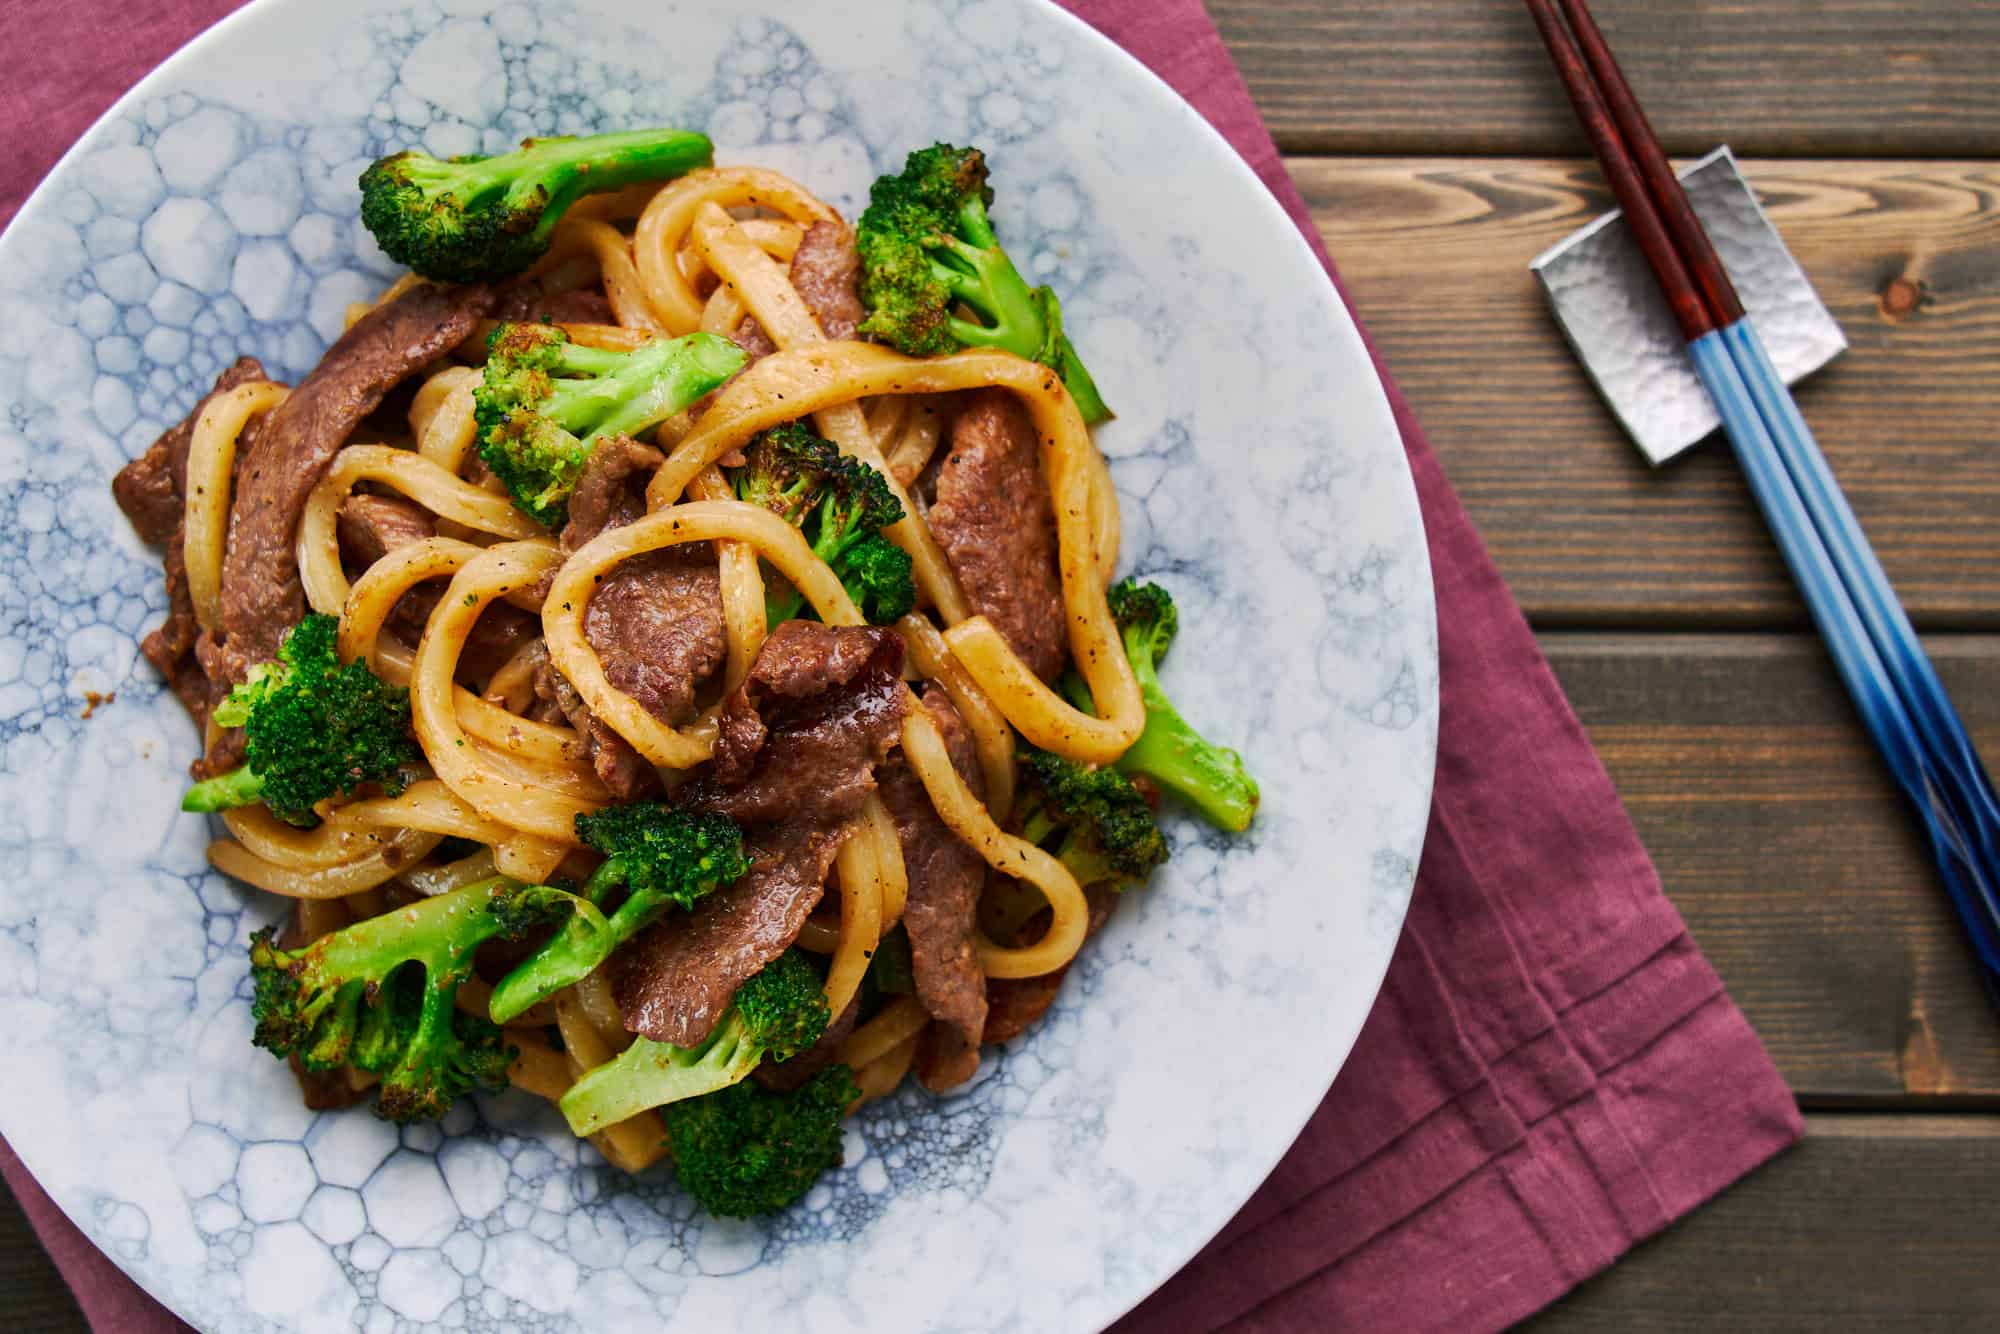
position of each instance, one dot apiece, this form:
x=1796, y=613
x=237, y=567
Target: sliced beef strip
x=623, y=770
x=945, y=877
x=784, y=1076
x=826, y=270
x=1013, y=1004
x=945, y=1058
x=612, y=490
x=656, y=623
x=830, y=707
x=829, y=704
x=152, y=490
x=997, y=525
x=261, y=596
x=370, y=527
x=526, y=301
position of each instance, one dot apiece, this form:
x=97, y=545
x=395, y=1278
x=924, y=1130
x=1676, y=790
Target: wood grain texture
x=1872, y=1223
x=1779, y=836
x=1821, y=78
x=1906, y=255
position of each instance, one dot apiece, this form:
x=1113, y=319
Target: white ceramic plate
x=212, y=213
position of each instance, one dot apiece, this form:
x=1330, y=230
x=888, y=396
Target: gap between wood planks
x=1905, y=254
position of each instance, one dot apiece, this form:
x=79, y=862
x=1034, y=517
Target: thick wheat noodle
x=538, y=1067
x=891, y=874
x=885, y=419
x=744, y=619
x=632, y=1144
x=992, y=735
x=333, y=842
x=528, y=857
x=916, y=442
x=211, y=463
x=898, y=1022
x=475, y=997
x=491, y=574
x=656, y=243
x=441, y=491
x=819, y=937
x=365, y=903
x=965, y=815
x=399, y=851
x=373, y=596
x=879, y=1077
x=699, y=521
x=512, y=685
x=770, y=296
x=722, y=312
x=573, y=777
x=425, y=805
x=320, y=917
x=777, y=237
x=441, y=417
x=621, y=276
x=429, y=881
x=593, y=992
x=873, y=887
x=806, y=379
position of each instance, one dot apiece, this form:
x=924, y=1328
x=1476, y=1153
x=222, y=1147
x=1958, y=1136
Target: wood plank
x=1781, y=839
x=1829, y=78
x=1906, y=255
x=1872, y=1223
x=38, y=1302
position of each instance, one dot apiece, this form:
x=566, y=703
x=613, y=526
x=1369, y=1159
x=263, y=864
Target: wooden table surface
x=1439, y=157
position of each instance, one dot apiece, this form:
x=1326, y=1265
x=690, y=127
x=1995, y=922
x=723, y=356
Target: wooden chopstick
x=1677, y=215
x=1648, y=229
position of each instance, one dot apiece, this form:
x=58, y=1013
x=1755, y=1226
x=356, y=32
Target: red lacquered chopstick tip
x=1683, y=227
x=1683, y=297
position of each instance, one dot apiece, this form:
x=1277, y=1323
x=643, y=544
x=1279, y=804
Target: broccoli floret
x=745, y=1150
x=1094, y=821
x=474, y=219
x=926, y=246
x=313, y=728
x=842, y=505
x=662, y=857
x=1169, y=751
x=378, y=995
x=778, y=1013
x=545, y=402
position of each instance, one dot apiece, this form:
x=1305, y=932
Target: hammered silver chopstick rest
x=1610, y=308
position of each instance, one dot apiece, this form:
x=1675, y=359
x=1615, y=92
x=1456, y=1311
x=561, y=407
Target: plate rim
x=1344, y=324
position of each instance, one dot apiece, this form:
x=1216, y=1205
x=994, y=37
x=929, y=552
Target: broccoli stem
x=626, y=392
x=570, y=167
x=572, y=954
x=1209, y=777
x=653, y=1074
x=239, y=787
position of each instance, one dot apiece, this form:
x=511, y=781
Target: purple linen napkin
x=1553, y=1071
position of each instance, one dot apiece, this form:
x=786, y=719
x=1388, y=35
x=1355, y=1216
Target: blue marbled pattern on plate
x=213, y=213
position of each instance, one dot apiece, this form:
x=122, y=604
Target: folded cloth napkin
x=1553, y=1071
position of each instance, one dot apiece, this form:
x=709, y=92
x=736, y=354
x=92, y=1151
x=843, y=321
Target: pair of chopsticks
x=1892, y=682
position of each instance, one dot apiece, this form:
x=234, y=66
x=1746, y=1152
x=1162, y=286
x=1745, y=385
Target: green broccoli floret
x=926, y=246
x=1094, y=821
x=842, y=505
x=545, y=402
x=745, y=1150
x=474, y=219
x=1170, y=752
x=313, y=727
x=778, y=1013
x=662, y=858
x=378, y=995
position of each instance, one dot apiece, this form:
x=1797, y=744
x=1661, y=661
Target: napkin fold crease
x=1552, y=1073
